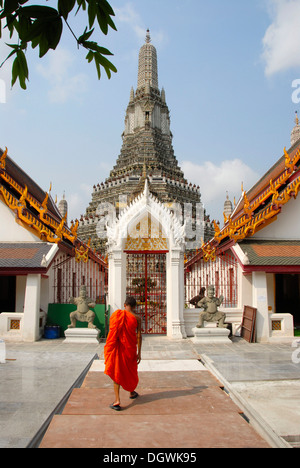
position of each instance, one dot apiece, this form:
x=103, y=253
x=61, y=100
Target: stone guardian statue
x=83, y=312
x=210, y=304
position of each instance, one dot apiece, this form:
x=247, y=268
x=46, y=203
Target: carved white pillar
x=260, y=302
x=117, y=279
x=175, y=294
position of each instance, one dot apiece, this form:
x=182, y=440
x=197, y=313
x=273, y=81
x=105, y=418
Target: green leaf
x=65, y=6
x=81, y=4
x=90, y=56
x=35, y=42
x=106, y=63
x=23, y=26
x=22, y=63
x=42, y=26
x=13, y=52
x=35, y=30
x=37, y=11
x=94, y=46
x=102, y=21
x=111, y=23
x=104, y=51
x=85, y=36
x=15, y=71
x=107, y=8
x=10, y=6
x=92, y=11
x=104, y=18
x=44, y=45
x=54, y=32
x=98, y=68
x=45, y=32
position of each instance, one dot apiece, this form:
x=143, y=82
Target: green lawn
x=297, y=331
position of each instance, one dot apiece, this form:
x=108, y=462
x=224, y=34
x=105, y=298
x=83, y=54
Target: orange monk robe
x=120, y=350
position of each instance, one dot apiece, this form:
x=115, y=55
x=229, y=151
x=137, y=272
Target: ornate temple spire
x=131, y=95
x=147, y=73
x=228, y=207
x=148, y=38
x=295, y=135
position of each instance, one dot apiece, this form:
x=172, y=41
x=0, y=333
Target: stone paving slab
x=37, y=375
x=175, y=409
x=155, y=379
x=213, y=430
x=159, y=365
x=164, y=401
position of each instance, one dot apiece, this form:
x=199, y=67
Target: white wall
x=10, y=231
x=287, y=225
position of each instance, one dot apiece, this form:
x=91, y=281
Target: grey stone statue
x=211, y=313
x=83, y=312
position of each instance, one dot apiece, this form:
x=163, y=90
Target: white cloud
x=281, y=42
x=128, y=14
x=64, y=85
x=217, y=179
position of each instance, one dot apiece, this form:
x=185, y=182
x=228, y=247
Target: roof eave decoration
x=256, y=214
x=83, y=252
x=35, y=217
x=3, y=160
x=44, y=225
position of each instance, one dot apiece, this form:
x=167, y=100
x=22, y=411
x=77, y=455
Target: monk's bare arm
x=139, y=340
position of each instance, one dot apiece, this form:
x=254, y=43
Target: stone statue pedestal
x=211, y=334
x=82, y=335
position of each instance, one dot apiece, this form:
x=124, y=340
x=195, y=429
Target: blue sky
x=227, y=67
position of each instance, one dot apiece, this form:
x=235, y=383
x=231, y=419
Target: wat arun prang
x=147, y=152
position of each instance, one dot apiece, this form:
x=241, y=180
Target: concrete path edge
x=36, y=440
x=259, y=424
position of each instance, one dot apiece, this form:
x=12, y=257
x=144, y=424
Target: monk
x=122, y=351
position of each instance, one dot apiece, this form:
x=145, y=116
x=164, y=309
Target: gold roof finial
x=296, y=119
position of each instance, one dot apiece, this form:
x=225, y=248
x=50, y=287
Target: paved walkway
x=235, y=395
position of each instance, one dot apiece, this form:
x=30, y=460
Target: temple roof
x=259, y=206
x=271, y=253
x=18, y=174
x=36, y=211
x=27, y=255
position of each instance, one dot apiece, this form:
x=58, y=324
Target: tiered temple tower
x=147, y=151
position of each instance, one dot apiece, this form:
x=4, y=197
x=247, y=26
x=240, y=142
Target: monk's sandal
x=115, y=407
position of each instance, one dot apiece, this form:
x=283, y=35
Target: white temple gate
x=148, y=235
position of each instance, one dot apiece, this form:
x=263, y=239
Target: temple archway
x=146, y=259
